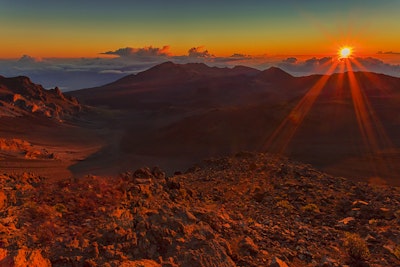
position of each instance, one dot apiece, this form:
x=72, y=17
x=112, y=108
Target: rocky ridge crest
x=19, y=97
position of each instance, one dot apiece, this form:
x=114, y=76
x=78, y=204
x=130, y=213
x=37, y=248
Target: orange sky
x=86, y=28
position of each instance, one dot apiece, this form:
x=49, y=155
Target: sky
x=44, y=31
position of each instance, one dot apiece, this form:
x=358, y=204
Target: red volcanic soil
x=245, y=210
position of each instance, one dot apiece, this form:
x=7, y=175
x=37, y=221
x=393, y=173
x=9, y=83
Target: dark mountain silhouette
x=274, y=74
x=189, y=84
x=192, y=111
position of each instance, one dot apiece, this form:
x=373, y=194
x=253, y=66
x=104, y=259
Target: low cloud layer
x=323, y=66
x=140, y=53
x=71, y=74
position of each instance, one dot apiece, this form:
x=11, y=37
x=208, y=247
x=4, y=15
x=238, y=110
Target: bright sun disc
x=345, y=52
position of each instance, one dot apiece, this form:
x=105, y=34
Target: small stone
x=276, y=262
x=360, y=203
x=248, y=247
x=328, y=262
x=347, y=220
x=355, y=212
x=386, y=213
x=142, y=173
x=158, y=173
x=142, y=181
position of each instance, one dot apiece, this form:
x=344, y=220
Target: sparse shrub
x=60, y=208
x=397, y=214
x=373, y=222
x=396, y=252
x=310, y=208
x=356, y=247
x=284, y=204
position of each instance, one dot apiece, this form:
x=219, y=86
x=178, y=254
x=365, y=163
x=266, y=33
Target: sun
x=345, y=52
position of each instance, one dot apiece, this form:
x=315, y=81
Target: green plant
x=396, y=252
x=356, y=247
x=397, y=214
x=60, y=208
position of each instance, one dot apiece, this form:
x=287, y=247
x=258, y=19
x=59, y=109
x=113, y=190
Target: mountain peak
x=274, y=74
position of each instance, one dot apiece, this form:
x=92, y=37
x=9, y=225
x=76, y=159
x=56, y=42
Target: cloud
x=199, y=52
x=308, y=66
x=322, y=66
x=388, y=53
x=318, y=61
x=290, y=60
x=26, y=59
x=111, y=71
x=77, y=73
x=377, y=65
x=237, y=55
x=143, y=52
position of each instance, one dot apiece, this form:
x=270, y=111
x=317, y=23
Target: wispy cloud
x=388, y=53
x=322, y=65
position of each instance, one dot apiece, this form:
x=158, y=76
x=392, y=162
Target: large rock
x=247, y=247
x=26, y=258
x=3, y=200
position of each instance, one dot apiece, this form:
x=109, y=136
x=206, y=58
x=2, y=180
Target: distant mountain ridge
x=185, y=83
x=326, y=120
x=168, y=79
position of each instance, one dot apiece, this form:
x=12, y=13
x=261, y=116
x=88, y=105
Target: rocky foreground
x=247, y=210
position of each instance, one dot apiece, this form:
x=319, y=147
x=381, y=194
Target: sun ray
x=340, y=82
x=372, y=77
x=282, y=136
x=373, y=133
x=381, y=133
x=361, y=111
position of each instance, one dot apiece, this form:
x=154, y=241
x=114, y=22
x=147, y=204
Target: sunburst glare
x=345, y=52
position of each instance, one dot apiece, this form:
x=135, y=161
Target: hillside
x=42, y=131
x=19, y=97
x=245, y=210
